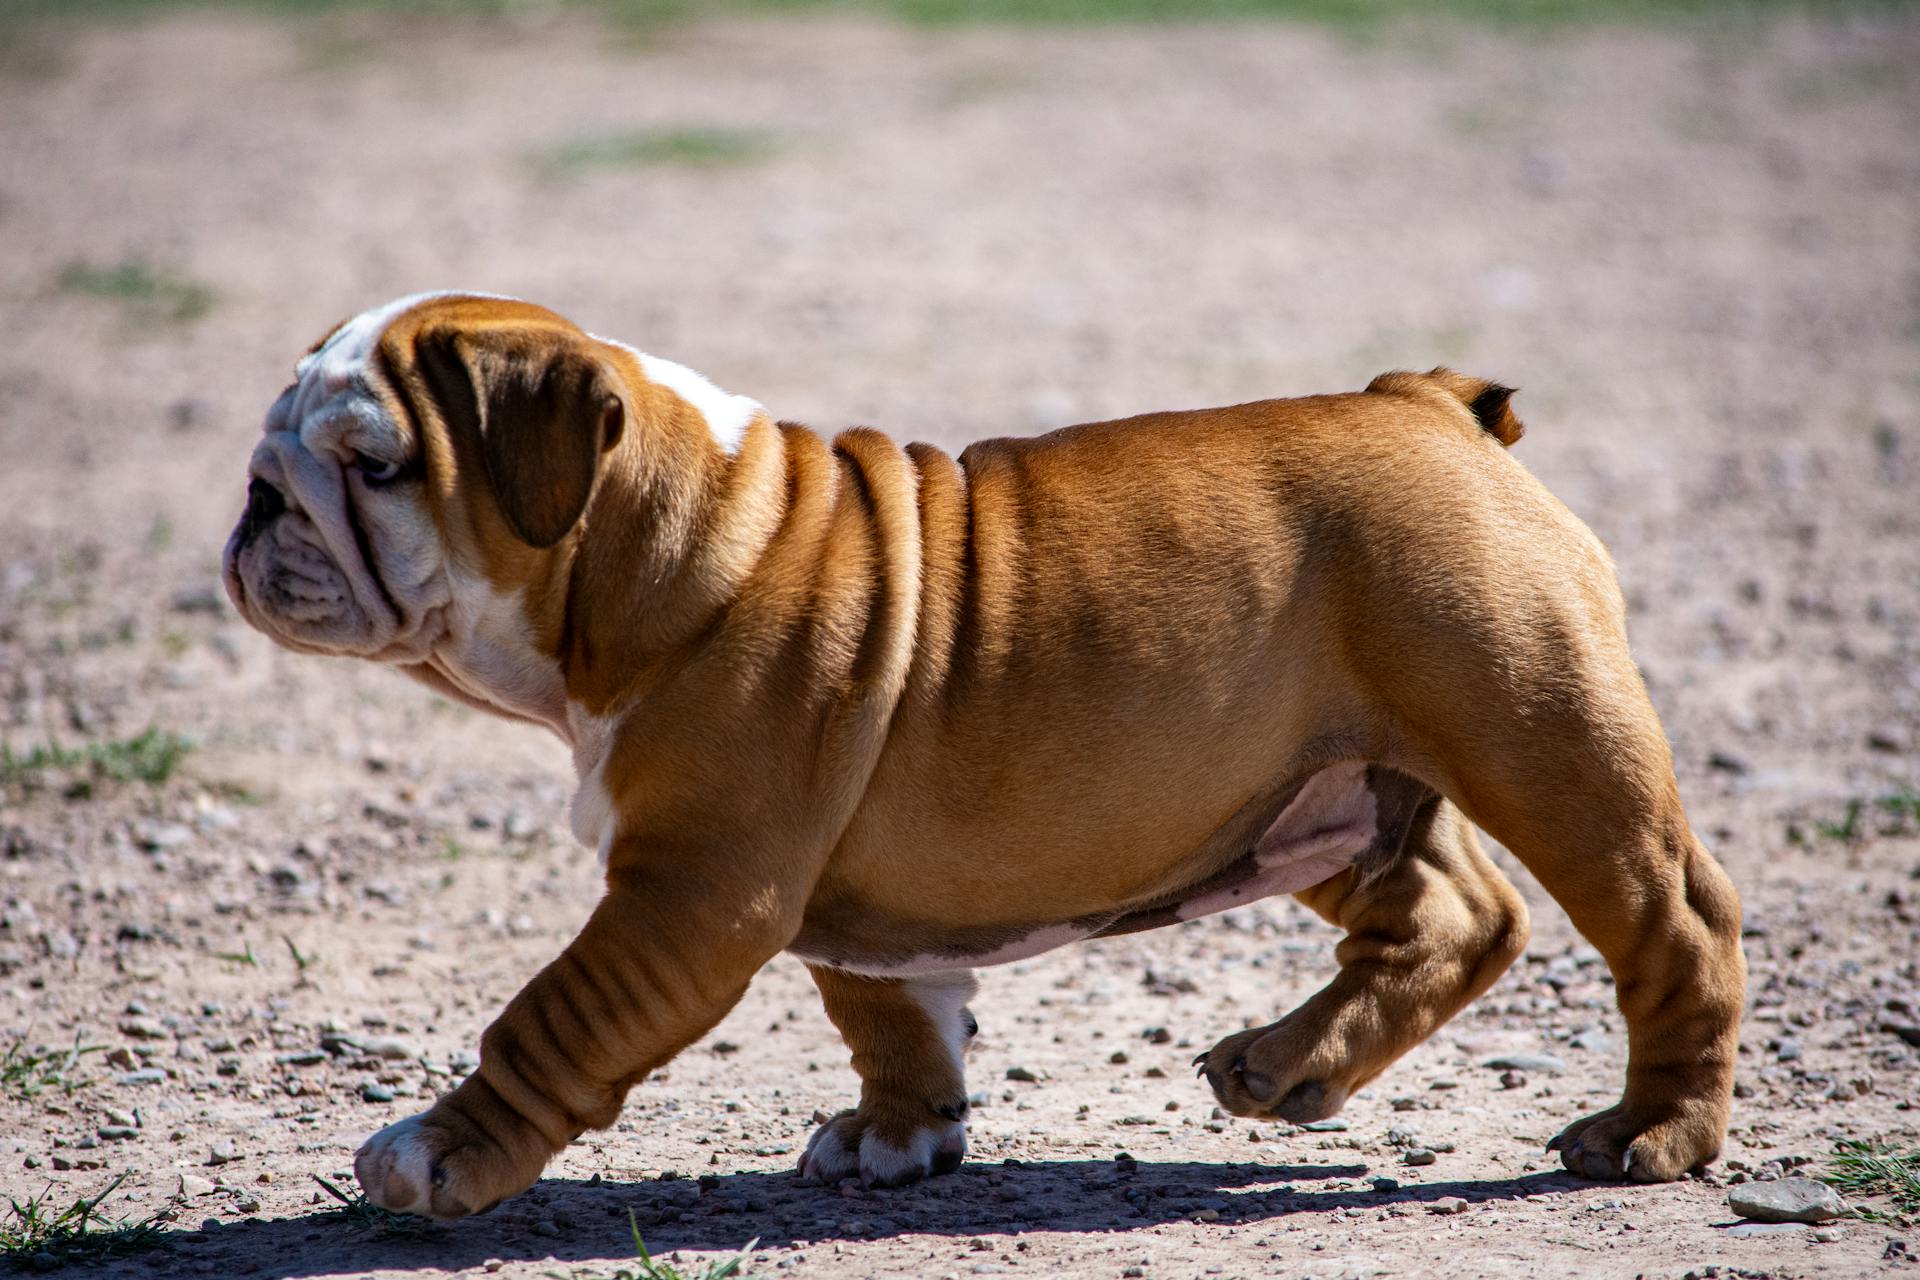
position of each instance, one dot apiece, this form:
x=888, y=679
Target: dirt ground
x=1696, y=250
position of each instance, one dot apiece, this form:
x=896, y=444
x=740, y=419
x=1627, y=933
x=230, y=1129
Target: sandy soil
x=1698, y=253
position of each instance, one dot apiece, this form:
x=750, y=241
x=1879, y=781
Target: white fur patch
x=943, y=998
x=593, y=817
x=828, y=1158
x=884, y=1164
x=397, y=1152
x=345, y=352
x=490, y=651
x=727, y=416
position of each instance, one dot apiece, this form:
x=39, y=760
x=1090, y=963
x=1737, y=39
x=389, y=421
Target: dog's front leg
x=907, y=1036
x=662, y=959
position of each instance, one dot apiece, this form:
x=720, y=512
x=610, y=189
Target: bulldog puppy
x=904, y=715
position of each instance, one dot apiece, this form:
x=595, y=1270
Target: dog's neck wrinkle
x=665, y=546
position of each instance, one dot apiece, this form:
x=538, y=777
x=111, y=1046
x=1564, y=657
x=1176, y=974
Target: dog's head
x=431, y=459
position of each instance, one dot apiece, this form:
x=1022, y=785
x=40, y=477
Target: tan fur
x=871, y=700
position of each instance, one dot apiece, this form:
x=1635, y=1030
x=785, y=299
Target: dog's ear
x=542, y=406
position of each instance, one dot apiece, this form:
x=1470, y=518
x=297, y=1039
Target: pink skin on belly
x=1330, y=823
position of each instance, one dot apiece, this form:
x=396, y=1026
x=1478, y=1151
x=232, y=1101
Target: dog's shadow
x=571, y=1222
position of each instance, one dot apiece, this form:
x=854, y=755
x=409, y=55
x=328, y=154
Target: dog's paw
x=439, y=1164
x=1620, y=1144
x=852, y=1145
x=1276, y=1071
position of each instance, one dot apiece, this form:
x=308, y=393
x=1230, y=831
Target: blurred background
x=1688, y=231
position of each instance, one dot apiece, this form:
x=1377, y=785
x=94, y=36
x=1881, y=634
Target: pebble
x=301, y=1058
x=1827, y=1235
x=1592, y=1042
x=1545, y=1062
x=1335, y=1125
x=1385, y=1184
x=1788, y=1050
x=1786, y=1200
x=223, y=1152
x=192, y=1184
x=117, y=1132
x=143, y=1029
x=1420, y=1156
x=1022, y=1074
x=376, y=1093
x=1749, y=1229
x=1449, y=1204
x=389, y=1048
x=147, y=1075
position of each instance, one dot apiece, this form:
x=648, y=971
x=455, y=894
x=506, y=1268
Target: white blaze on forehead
x=339, y=367
x=727, y=416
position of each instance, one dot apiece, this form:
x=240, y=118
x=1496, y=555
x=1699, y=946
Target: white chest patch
x=592, y=815
x=490, y=651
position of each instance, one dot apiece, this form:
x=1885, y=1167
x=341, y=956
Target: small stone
x=1420, y=1156
x=223, y=1152
x=1787, y=1200
x=143, y=1029
x=1022, y=1074
x=1449, y=1204
x=376, y=1093
x=147, y=1075
x=1787, y=1050
x=1157, y=1035
x=1827, y=1235
x=1512, y=1080
x=1592, y=1042
x=192, y=1184
x=1119, y=1058
x=1335, y=1125
x=301, y=1058
x=1384, y=1185
x=117, y=1132
x=1748, y=1229
x=247, y=1204
x=1542, y=1062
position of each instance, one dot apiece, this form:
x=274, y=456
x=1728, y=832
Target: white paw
x=395, y=1168
x=846, y=1146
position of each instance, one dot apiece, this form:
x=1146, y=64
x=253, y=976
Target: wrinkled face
x=432, y=458
x=337, y=551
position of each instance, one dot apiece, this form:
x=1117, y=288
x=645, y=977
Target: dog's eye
x=375, y=471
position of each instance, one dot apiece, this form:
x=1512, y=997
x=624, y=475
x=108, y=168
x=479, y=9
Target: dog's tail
x=1487, y=401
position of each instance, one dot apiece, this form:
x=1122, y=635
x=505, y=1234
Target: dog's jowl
x=906, y=715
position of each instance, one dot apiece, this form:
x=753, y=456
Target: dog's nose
x=264, y=502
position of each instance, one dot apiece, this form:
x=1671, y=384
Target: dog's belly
x=1341, y=815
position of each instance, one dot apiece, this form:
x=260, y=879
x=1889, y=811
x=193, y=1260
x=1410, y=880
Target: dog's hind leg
x=1426, y=933
x=907, y=1036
